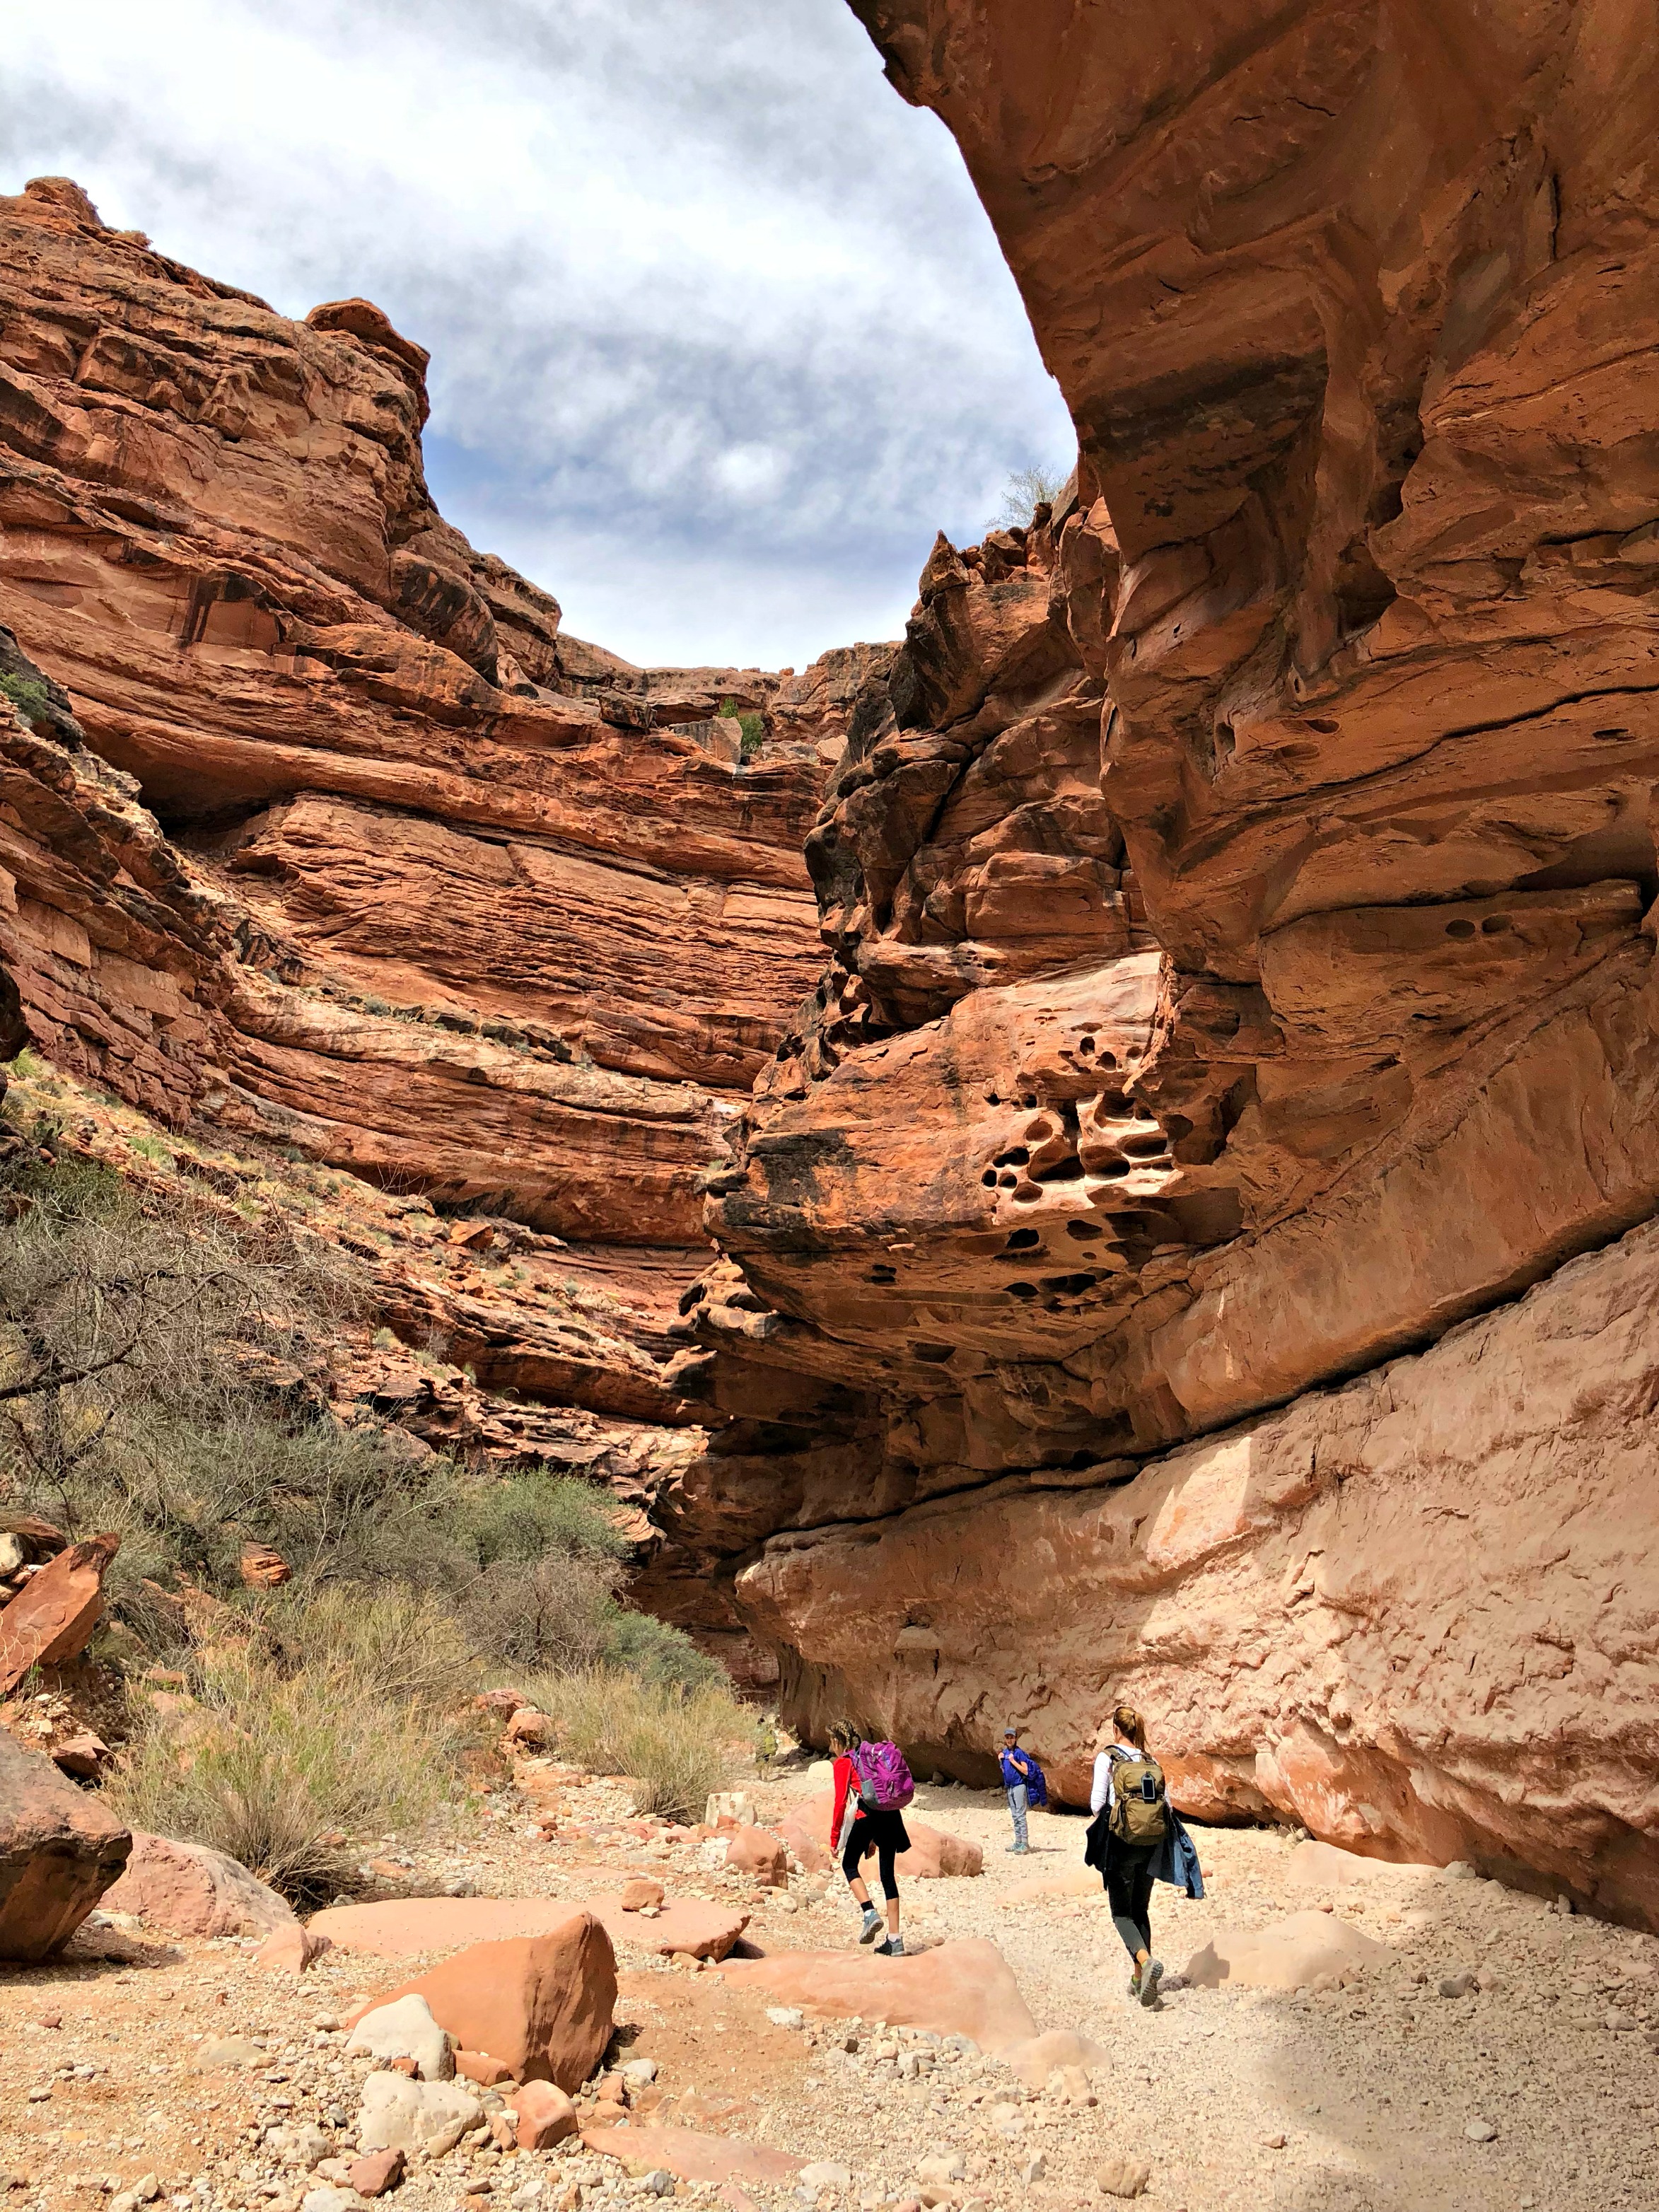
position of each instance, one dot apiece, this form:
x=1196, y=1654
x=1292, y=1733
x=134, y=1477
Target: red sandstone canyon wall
x=319, y=832
x=1239, y=895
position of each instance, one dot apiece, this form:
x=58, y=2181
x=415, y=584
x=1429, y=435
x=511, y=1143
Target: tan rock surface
x=691, y=2156
x=961, y=1988
x=1291, y=1954
x=1350, y=1613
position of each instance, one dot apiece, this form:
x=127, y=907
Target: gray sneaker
x=1152, y=1974
x=871, y=1929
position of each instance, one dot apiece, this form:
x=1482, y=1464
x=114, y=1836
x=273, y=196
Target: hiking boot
x=1134, y=1987
x=1020, y=1850
x=892, y=1948
x=871, y=1927
x=1151, y=1975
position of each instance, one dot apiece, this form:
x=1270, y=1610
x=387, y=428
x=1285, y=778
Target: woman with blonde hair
x=1136, y=1838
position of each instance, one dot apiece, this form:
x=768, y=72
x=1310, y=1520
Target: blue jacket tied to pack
x=1174, y=1860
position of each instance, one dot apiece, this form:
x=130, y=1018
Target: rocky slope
x=320, y=839
x=1240, y=893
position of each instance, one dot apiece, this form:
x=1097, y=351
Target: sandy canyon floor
x=1539, y=2092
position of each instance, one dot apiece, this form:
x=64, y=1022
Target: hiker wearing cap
x=873, y=1786
x=1023, y=1779
x=1136, y=1838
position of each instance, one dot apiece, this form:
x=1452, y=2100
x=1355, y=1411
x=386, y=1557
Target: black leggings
x=1129, y=1894
x=864, y=1833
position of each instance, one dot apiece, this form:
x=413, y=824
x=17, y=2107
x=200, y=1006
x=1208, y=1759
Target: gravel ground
x=1354, y=2099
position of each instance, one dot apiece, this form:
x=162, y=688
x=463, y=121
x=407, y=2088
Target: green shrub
x=525, y=1516
x=679, y=1746
x=27, y=694
x=640, y=1643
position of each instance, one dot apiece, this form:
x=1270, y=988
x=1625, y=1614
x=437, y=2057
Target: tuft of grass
x=678, y=1745
x=270, y=1766
x=399, y=1645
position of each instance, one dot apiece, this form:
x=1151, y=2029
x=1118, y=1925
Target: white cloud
x=720, y=333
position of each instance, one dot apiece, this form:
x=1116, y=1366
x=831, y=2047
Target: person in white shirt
x=1128, y=1866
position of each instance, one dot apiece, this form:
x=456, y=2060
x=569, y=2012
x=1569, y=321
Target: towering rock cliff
x=1239, y=900
x=318, y=832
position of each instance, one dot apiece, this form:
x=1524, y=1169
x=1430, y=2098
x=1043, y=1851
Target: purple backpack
x=884, y=1780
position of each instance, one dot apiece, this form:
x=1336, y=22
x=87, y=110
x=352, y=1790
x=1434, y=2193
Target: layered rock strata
x=318, y=838
x=1238, y=895
x=475, y=925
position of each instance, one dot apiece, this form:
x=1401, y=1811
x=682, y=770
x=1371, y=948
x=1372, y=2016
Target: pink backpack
x=884, y=1780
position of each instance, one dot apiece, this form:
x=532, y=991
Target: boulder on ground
x=264, y=1568
x=963, y=1988
x=291, y=1950
x=544, y=2116
x=933, y=1856
x=733, y=1806
x=691, y=2156
x=687, y=1927
x=52, y=1618
x=1324, y=1866
x=190, y=1890
x=640, y=1891
x=1057, y=2050
x=375, y=2172
x=60, y=1852
x=1286, y=1955
x=405, y=2028
x=757, y=1852
x=529, y=1726
x=400, y=2113
x=1124, y=2177
x=542, y=2005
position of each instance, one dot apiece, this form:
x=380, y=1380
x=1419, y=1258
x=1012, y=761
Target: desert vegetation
x=166, y=1376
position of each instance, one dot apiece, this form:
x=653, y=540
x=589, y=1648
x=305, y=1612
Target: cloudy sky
x=720, y=333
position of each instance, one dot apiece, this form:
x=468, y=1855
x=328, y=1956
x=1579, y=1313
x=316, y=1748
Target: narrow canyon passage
x=1104, y=1148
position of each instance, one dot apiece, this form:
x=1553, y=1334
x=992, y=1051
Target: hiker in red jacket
x=860, y=1824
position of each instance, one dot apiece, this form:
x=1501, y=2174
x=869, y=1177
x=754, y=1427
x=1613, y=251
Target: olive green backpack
x=1140, y=1812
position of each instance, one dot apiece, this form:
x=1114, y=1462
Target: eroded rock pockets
x=1299, y=761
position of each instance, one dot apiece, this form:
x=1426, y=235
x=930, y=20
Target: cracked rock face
x=1237, y=895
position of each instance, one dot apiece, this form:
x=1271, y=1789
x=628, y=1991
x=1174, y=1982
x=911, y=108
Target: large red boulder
x=189, y=1889
x=59, y=1851
x=542, y=2005
x=52, y=1618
